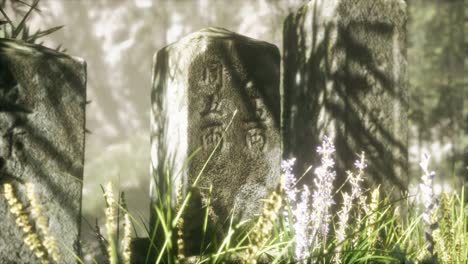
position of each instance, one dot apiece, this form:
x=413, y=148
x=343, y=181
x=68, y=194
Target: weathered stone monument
x=198, y=84
x=345, y=75
x=42, y=130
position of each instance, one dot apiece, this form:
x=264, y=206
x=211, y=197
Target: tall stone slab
x=42, y=131
x=198, y=84
x=345, y=75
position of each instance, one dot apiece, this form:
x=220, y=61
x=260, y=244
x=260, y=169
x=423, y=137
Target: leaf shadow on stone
x=246, y=66
x=325, y=91
x=52, y=162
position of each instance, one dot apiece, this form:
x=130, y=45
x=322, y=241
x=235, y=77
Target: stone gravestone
x=345, y=75
x=42, y=119
x=199, y=82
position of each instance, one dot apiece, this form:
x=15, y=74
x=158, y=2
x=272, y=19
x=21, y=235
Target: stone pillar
x=42, y=131
x=345, y=75
x=198, y=84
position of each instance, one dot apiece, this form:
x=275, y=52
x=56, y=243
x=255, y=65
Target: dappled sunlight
x=343, y=74
x=341, y=78
x=144, y=3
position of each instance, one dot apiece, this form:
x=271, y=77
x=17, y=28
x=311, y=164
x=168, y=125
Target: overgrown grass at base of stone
x=367, y=228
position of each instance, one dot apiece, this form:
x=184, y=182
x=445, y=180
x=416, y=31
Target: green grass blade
x=40, y=34
x=205, y=221
x=28, y=4
x=8, y=20
x=22, y=24
x=195, y=182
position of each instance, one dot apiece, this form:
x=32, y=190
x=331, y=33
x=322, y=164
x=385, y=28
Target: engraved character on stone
x=256, y=138
x=211, y=136
x=213, y=106
x=213, y=75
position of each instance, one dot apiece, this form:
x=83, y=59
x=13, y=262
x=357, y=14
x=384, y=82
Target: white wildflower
x=426, y=187
x=429, y=201
x=289, y=180
x=301, y=227
x=343, y=217
x=356, y=193
x=356, y=179
x=322, y=195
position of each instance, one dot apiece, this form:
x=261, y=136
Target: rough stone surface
x=42, y=118
x=345, y=75
x=198, y=84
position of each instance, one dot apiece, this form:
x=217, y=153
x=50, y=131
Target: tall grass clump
x=262, y=230
x=297, y=224
x=303, y=224
x=114, y=252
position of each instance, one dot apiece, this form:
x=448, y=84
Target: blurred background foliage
x=438, y=80
x=117, y=38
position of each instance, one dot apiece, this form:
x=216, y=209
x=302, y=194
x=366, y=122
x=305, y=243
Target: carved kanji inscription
x=226, y=90
x=211, y=135
x=213, y=75
x=256, y=139
x=213, y=106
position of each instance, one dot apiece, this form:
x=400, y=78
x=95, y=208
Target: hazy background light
x=118, y=40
